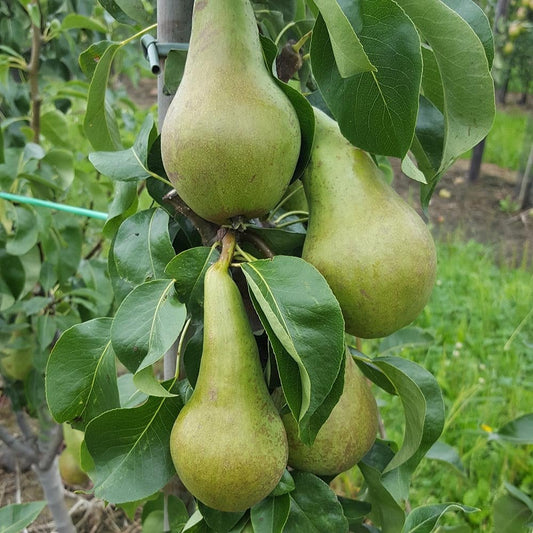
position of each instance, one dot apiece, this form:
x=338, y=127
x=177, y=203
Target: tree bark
x=475, y=162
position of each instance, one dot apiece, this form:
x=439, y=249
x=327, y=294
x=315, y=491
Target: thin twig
x=259, y=243
x=206, y=229
x=33, y=74
x=27, y=432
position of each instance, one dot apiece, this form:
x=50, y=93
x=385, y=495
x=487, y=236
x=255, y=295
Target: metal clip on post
x=154, y=50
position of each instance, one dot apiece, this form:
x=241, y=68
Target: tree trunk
x=475, y=162
x=52, y=485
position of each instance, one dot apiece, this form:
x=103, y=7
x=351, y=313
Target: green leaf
x=54, y=126
x=174, y=69
x=280, y=241
x=128, y=11
x=270, y=514
x=511, y=515
x=285, y=484
x=142, y=247
x=81, y=374
x=116, y=11
x=153, y=517
x=147, y=383
x=517, y=431
x=348, y=51
x=354, y=510
x=314, y=507
x=468, y=87
x=17, y=516
x=299, y=310
x=386, y=511
x=441, y=451
x=12, y=276
x=188, y=269
x=100, y=123
x=124, y=204
x=130, y=450
x=423, y=406
x=130, y=395
x=147, y=323
x=376, y=111
x=25, y=231
x=405, y=338
x=61, y=164
x=478, y=21
x=90, y=57
x=424, y=519
x=219, y=521
x=75, y=21
x=130, y=164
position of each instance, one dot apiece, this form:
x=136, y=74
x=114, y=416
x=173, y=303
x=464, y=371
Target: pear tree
x=253, y=241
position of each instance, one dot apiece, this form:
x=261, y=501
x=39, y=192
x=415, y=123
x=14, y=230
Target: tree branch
x=33, y=74
x=259, y=243
x=206, y=229
x=19, y=447
x=56, y=441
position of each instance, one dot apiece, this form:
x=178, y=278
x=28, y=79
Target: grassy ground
x=483, y=363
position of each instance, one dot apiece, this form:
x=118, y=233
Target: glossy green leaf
x=219, y=521
x=376, y=111
x=350, y=56
x=468, y=86
x=100, y=123
x=285, y=484
x=405, y=338
x=130, y=164
x=424, y=519
x=314, y=507
x=386, y=511
x=280, y=241
x=128, y=11
x=270, y=514
x=90, y=57
x=188, y=269
x=12, y=277
x=81, y=374
x=94, y=274
x=17, y=516
x=130, y=450
x=301, y=312
x=423, y=407
x=114, y=8
x=146, y=324
x=124, y=204
x=354, y=510
x=478, y=21
x=149, y=384
x=142, y=247
x=511, y=515
x=129, y=394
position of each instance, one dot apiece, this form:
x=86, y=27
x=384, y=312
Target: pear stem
x=288, y=214
x=228, y=249
x=283, y=200
x=248, y=257
x=290, y=223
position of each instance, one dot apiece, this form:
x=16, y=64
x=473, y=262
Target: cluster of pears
x=229, y=444
x=70, y=458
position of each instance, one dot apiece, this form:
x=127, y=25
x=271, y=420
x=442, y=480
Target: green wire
x=53, y=205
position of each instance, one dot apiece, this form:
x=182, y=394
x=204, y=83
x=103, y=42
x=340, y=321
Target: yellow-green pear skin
x=346, y=436
x=17, y=362
x=373, y=249
x=228, y=443
x=231, y=139
x=69, y=460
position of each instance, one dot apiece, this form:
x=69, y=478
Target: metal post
x=173, y=26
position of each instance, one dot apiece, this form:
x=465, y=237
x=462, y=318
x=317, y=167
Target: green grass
x=505, y=142
x=486, y=379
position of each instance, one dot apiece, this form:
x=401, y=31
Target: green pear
x=16, y=358
x=231, y=138
x=345, y=437
x=228, y=443
x=70, y=460
x=372, y=248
